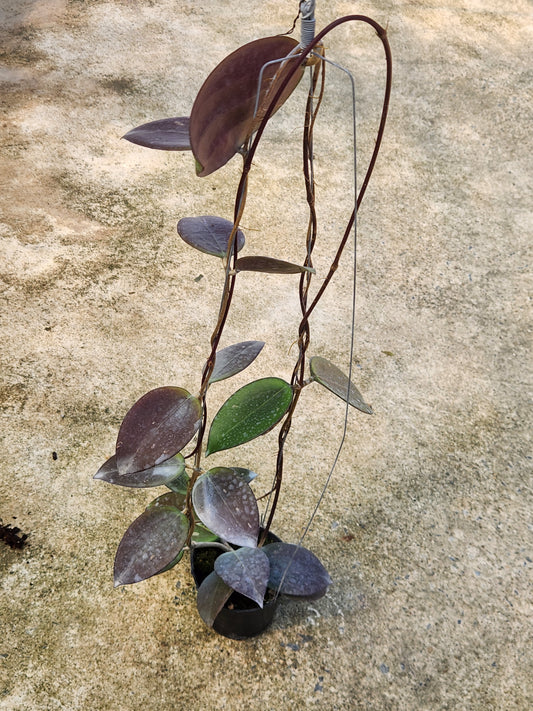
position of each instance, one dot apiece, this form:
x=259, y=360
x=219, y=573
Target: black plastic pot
x=240, y=618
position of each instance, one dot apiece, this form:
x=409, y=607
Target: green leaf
x=332, y=378
x=231, y=360
x=202, y=534
x=250, y=412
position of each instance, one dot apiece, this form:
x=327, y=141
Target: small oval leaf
x=250, y=412
x=269, y=265
x=170, y=473
x=209, y=234
x=225, y=503
x=246, y=570
x=168, y=134
x=151, y=544
x=332, y=378
x=202, y=534
x=171, y=499
x=299, y=571
x=156, y=428
x=212, y=595
x=222, y=117
x=231, y=360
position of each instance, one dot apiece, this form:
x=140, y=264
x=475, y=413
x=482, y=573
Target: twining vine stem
x=297, y=381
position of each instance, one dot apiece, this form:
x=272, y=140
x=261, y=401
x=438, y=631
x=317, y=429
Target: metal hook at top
x=307, y=9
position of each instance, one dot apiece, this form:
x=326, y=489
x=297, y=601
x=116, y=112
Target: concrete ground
x=426, y=528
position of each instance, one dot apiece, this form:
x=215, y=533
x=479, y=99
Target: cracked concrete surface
x=426, y=528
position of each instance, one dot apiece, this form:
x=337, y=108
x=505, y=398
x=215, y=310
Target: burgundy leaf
x=233, y=359
x=269, y=265
x=299, y=571
x=226, y=504
x=156, y=428
x=173, y=470
x=150, y=545
x=168, y=134
x=172, y=499
x=246, y=570
x=222, y=117
x=212, y=595
x=209, y=234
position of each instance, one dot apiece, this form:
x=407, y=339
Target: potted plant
x=239, y=565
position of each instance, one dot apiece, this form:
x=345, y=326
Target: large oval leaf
x=297, y=570
x=250, y=412
x=269, y=265
x=212, y=595
x=168, y=134
x=226, y=504
x=156, y=428
x=171, y=473
x=233, y=359
x=246, y=570
x=222, y=117
x=150, y=545
x=332, y=378
x=209, y=234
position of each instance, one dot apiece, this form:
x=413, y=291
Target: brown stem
x=304, y=331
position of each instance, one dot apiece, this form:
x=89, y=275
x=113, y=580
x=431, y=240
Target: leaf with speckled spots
x=226, y=504
x=171, y=473
x=297, y=570
x=250, y=412
x=332, y=378
x=231, y=360
x=156, y=428
x=246, y=570
x=152, y=544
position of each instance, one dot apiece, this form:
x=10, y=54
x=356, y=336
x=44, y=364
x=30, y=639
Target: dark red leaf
x=297, y=570
x=225, y=503
x=233, y=359
x=169, y=134
x=150, y=545
x=209, y=234
x=156, y=428
x=212, y=595
x=269, y=265
x=246, y=570
x=222, y=117
x=171, y=470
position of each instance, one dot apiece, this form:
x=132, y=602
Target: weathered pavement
x=426, y=528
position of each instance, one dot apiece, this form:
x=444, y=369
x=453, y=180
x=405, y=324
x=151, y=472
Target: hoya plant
x=168, y=439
